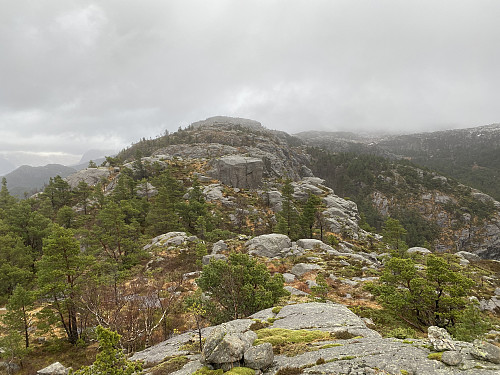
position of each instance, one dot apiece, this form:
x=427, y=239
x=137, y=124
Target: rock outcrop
x=352, y=349
x=238, y=171
x=91, y=176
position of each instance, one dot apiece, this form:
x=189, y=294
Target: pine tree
x=61, y=271
x=111, y=360
x=309, y=215
x=288, y=217
x=18, y=316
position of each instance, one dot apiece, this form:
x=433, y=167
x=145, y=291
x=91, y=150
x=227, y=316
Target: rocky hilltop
x=226, y=219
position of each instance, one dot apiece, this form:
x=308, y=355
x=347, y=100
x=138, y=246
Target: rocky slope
x=243, y=154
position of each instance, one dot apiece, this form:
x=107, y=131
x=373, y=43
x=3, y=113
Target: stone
x=440, y=339
x=418, y=250
x=313, y=244
x=303, y=268
x=8, y=367
x=289, y=277
x=54, y=369
x=485, y=351
x=239, y=171
x=467, y=255
x=91, y=176
x=311, y=283
x=167, y=239
x=146, y=190
x=451, y=358
x=259, y=357
x=294, y=291
x=268, y=245
x=210, y=257
x=218, y=247
x=224, y=346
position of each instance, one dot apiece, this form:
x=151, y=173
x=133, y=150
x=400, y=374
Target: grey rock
x=485, y=351
x=419, y=250
x=451, y=358
x=311, y=283
x=268, y=245
x=313, y=244
x=146, y=190
x=170, y=348
x=8, y=367
x=210, y=257
x=259, y=356
x=224, y=346
x=167, y=239
x=295, y=292
x=54, y=369
x=91, y=176
x=322, y=316
x=467, y=255
x=218, y=247
x=189, y=368
x=440, y=339
x=303, y=268
x=239, y=171
x=289, y=277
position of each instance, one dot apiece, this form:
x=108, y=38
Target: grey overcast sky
x=78, y=75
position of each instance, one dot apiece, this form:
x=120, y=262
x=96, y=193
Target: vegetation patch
x=288, y=341
x=192, y=346
x=206, y=371
x=169, y=366
x=437, y=356
x=241, y=371
x=330, y=346
x=259, y=324
x=276, y=309
x=289, y=371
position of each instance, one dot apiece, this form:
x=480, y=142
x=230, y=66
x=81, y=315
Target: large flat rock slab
x=328, y=317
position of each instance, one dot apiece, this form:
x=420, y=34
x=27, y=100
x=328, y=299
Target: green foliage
x=321, y=290
x=436, y=356
x=308, y=216
x=419, y=231
x=433, y=296
x=394, y=235
x=18, y=317
x=288, y=217
x=111, y=360
x=402, y=333
x=471, y=324
x=206, y=371
x=241, y=371
x=60, y=275
x=239, y=287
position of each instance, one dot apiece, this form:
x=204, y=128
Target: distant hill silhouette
x=27, y=179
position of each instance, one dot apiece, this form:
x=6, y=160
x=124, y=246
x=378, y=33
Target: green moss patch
x=290, y=342
x=170, y=366
x=240, y=371
x=279, y=336
x=206, y=371
x=329, y=346
x=436, y=356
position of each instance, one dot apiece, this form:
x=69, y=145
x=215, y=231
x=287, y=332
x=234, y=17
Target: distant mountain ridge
x=28, y=179
x=470, y=155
